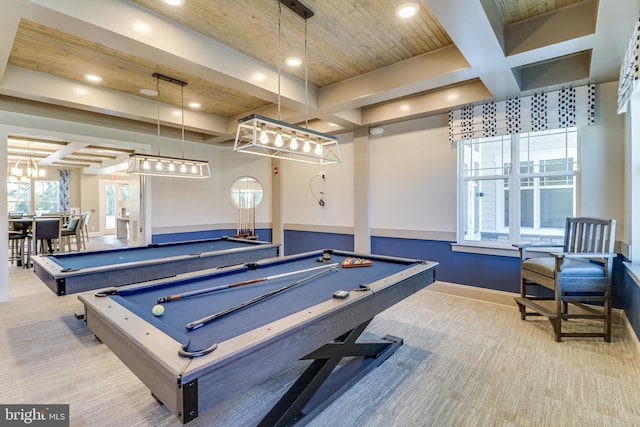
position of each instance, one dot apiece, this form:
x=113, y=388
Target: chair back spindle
x=589, y=235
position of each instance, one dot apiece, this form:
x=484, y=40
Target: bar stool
x=16, y=240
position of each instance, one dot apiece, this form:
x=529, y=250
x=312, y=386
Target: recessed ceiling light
x=194, y=104
x=93, y=78
x=293, y=61
x=407, y=10
x=174, y=2
x=149, y=92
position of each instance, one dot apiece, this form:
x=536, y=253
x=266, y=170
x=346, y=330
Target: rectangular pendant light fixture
x=148, y=164
x=176, y=167
x=272, y=138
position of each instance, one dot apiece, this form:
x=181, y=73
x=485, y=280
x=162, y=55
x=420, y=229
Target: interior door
x=114, y=203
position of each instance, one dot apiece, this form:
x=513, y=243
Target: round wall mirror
x=246, y=192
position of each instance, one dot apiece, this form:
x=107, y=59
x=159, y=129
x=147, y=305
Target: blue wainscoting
x=264, y=234
x=485, y=271
x=296, y=242
x=631, y=301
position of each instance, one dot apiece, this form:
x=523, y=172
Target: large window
x=46, y=196
x=501, y=203
x=18, y=197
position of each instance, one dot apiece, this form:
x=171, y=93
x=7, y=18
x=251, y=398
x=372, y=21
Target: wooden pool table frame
x=69, y=282
x=325, y=333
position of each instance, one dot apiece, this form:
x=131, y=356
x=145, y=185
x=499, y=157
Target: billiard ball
x=157, y=310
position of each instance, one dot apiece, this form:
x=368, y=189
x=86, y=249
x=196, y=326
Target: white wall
x=200, y=204
x=602, y=151
x=300, y=205
x=413, y=177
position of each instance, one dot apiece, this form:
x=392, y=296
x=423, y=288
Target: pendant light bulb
x=279, y=142
x=264, y=138
x=306, y=147
x=146, y=165
x=318, y=150
x=294, y=142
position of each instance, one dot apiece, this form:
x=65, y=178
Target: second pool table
x=73, y=272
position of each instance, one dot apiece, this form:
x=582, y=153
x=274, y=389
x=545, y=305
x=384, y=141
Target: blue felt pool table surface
x=177, y=314
x=81, y=271
x=85, y=260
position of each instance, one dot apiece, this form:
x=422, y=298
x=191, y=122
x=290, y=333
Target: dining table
x=25, y=225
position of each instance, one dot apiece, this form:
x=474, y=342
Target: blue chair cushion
x=72, y=224
x=546, y=266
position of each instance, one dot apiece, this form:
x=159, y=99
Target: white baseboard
x=473, y=292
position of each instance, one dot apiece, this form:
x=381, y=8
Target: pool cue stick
x=201, y=322
x=236, y=284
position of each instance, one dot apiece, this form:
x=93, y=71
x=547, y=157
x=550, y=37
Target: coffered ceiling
x=365, y=66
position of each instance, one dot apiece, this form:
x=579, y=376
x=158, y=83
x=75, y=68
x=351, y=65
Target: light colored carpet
x=463, y=363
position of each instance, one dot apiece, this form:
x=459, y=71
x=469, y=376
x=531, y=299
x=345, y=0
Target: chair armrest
x=583, y=255
x=524, y=246
x=537, y=245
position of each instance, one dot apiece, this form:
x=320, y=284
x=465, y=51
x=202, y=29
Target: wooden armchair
x=579, y=274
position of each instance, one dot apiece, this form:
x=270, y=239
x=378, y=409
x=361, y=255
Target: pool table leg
x=319, y=385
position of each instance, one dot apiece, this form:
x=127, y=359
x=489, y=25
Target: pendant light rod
x=298, y=8
x=279, y=53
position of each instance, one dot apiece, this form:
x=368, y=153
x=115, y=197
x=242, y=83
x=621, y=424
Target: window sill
x=634, y=271
x=498, y=250
x=501, y=250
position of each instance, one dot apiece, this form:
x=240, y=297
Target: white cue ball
x=157, y=310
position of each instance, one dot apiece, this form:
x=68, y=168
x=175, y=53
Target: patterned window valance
x=541, y=111
x=629, y=70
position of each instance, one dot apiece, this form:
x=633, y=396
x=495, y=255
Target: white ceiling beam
x=614, y=27
x=62, y=152
x=467, y=25
x=9, y=21
x=409, y=76
x=42, y=87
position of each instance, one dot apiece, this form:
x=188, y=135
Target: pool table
x=74, y=272
x=192, y=370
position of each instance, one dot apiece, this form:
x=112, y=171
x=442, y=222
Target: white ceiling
x=458, y=52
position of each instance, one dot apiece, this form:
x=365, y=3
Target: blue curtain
x=64, y=190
